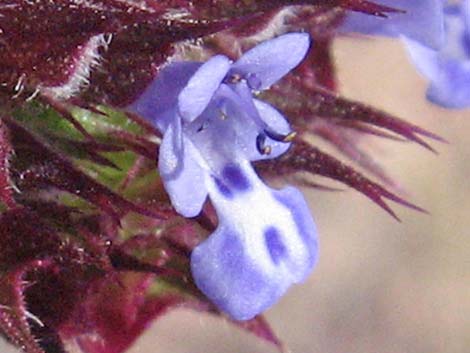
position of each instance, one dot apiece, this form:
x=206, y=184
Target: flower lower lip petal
x=265, y=242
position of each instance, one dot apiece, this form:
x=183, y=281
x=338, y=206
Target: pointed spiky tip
x=84, y=210
x=303, y=157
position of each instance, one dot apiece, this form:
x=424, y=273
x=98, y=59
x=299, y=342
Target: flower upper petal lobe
x=271, y=60
x=201, y=87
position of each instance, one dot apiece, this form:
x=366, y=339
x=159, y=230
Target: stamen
x=280, y=137
x=260, y=141
x=222, y=115
x=234, y=78
x=203, y=126
x=261, y=145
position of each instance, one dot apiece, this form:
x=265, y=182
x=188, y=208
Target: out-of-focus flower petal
x=451, y=87
x=269, y=61
x=466, y=12
x=457, y=39
x=423, y=21
x=448, y=69
x=201, y=87
x=425, y=59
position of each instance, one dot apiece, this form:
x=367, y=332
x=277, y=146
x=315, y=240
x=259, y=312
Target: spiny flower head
x=86, y=222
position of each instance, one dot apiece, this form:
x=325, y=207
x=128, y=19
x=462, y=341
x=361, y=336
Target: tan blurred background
x=380, y=286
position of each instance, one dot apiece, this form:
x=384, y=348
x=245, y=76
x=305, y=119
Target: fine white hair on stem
x=275, y=27
x=87, y=59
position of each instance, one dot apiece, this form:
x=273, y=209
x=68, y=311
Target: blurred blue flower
x=437, y=37
x=422, y=21
x=447, y=68
x=212, y=129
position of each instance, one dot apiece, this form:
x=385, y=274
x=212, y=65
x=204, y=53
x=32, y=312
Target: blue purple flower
x=212, y=129
x=421, y=20
x=437, y=37
x=447, y=68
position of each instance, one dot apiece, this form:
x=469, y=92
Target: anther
x=290, y=136
x=222, y=115
x=280, y=137
x=261, y=145
x=234, y=78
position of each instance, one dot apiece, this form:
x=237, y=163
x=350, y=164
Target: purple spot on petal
x=466, y=44
x=274, y=243
x=223, y=189
x=294, y=201
x=234, y=176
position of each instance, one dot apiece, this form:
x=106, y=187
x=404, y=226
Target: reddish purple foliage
x=71, y=270
x=6, y=186
x=45, y=168
x=306, y=158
